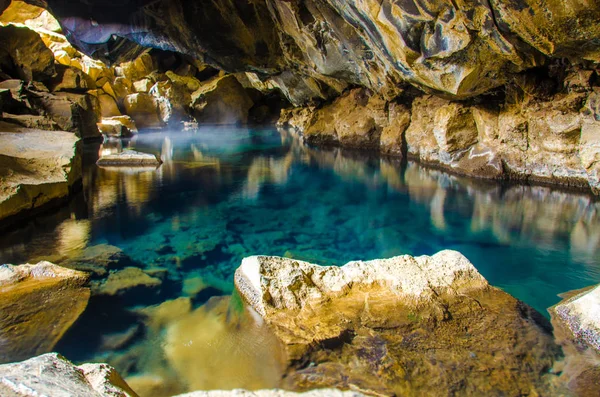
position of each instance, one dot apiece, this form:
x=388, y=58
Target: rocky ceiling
x=317, y=48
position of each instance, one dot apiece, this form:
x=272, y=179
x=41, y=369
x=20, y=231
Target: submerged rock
x=129, y=158
x=38, y=304
x=121, y=281
x=36, y=168
x=396, y=326
x=53, y=375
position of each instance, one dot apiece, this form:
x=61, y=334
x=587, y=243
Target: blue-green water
x=223, y=194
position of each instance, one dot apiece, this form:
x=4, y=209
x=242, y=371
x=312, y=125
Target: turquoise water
x=223, y=194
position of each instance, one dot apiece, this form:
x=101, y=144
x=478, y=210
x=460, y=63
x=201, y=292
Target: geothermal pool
x=226, y=193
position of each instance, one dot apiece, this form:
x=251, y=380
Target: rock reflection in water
x=224, y=194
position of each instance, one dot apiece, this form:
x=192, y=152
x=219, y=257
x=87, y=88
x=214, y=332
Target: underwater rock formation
x=28, y=327
x=53, y=375
x=405, y=319
x=272, y=393
x=37, y=168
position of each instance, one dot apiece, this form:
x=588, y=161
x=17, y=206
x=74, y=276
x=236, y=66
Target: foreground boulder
x=38, y=304
x=407, y=320
x=36, y=168
x=576, y=322
x=53, y=375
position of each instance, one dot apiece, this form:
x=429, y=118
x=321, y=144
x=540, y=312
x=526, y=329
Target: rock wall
x=549, y=138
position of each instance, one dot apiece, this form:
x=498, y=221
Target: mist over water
x=226, y=193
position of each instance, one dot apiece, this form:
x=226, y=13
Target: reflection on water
x=223, y=194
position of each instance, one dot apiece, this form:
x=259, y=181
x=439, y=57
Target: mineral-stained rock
x=28, y=327
x=32, y=16
x=143, y=109
x=53, y=375
x=24, y=55
x=405, y=319
x=69, y=78
x=222, y=100
x=129, y=158
x=36, y=167
x=272, y=393
x=118, y=126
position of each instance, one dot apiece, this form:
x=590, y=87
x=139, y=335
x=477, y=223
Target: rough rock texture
x=313, y=48
x=221, y=101
x=24, y=55
x=53, y=375
x=576, y=322
x=581, y=314
x=405, y=319
x=36, y=167
x=28, y=327
x=129, y=158
x=272, y=393
x=554, y=138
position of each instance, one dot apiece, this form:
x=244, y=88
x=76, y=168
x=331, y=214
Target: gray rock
x=129, y=158
x=54, y=376
x=272, y=393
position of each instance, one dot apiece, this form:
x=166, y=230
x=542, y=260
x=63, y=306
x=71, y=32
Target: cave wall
x=314, y=49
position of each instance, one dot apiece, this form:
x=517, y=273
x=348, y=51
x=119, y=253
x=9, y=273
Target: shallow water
x=223, y=194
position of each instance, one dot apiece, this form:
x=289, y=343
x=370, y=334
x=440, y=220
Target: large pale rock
x=581, y=315
x=53, y=375
x=24, y=55
x=28, y=327
x=129, y=158
x=405, y=319
x=143, y=109
x=222, y=100
x=117, y=126
x=32, y=16
x=36, y=167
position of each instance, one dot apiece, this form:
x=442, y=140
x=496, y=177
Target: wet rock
x=244, y=352
x=98, y=259
x=129, y=158
x=27, y=327
x=576, y=322
x=35, y=63
x=404, y=319
x=53, y=375
x=43, y=173
x=272, y=393
x=222, y=100
x=143, y=109
x=119, y=282
x=581, y=315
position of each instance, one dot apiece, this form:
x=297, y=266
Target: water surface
x=226, y=193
